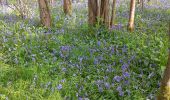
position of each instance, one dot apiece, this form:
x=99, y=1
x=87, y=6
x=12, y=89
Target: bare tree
x=165, y=83
x=67, y=6
x=44, y=13
x=131, y=16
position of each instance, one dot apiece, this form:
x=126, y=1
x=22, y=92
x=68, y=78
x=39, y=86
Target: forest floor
x=71, y=61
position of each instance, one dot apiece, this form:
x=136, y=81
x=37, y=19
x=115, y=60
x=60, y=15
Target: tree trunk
x=113, y=13
x=139, y=1
x=22, y=8
x=44, y=13
x=165, y=83
x=67, y=6
x=93, y=11
x=149, y=1
x=51, y=3
x=142, y=4
x=104, y=12
x=98, y=11
x=132, y=16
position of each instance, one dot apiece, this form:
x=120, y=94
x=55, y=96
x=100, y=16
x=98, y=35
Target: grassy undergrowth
x=90, y=63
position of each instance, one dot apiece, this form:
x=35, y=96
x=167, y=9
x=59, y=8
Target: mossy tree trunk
x=131, y=16
x=44, y=13
x=67, y=7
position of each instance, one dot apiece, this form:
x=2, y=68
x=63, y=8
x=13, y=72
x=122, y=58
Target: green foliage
x=77, y=61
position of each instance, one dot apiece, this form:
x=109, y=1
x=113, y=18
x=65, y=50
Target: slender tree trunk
x=0, y=2
x=132, y=16
x=67, y=6
x=44, y=13
x=142, y=4
x=165, y=83
x=22, y=8
x=113, y=13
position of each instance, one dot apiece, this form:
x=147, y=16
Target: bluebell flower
x=63, y=80
x=117, y=78
x=119, y=89
x=121, y=93
x=105, y=78
x=124, y=67
x=124, y=49
x=98, y=82
x=100, y=89
x=59, y=87
x=80, y=59
x=80, y=98
x=64, y=51
x=126, y=74
x=107, y=85
x=64, y=69
x=113, y=85
x=112, y=50
x=96, y=61
x=126, y=82
x=98, y=43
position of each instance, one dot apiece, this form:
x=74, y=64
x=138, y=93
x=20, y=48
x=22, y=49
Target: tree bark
x=104, y=12
x=113, y=16
x=67, y=6
x=51, y=3
x=139, y=1
x=132, y=16
x=98, y=11
x=0, y=2
x=165, y=83
x=93, y=11
x=142, y=4
x=44, y=13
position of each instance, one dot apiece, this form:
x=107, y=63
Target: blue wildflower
x=59, y=87
x=124, y=67
x=100, y=89
x=107, y=85
x=126, y=74
x=117, y=78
